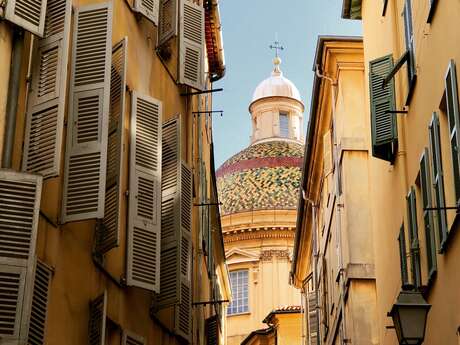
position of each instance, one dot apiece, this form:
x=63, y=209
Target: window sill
x=239, y=314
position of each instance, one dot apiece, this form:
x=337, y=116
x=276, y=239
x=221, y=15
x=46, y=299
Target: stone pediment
x=236, y=255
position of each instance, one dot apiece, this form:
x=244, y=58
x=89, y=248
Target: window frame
x=413, y=238
x=283, y=114
x=403, y=257
x=235, y=299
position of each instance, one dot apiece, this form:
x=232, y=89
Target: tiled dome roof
x=262, y=176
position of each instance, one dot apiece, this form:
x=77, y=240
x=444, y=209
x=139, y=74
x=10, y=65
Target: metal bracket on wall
x=210, y=302
x=221, y=112
x=442, y=208
x=201, y=92
x=209, y=204
x=396, y=111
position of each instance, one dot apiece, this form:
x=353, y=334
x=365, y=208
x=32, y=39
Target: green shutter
x=403, y=256
x=425, y=183
x=382, y=99
x=413, y=236
x=438, y=181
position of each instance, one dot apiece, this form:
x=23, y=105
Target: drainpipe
x=13, y=95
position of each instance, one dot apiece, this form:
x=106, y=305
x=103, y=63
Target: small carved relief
x=268, y=255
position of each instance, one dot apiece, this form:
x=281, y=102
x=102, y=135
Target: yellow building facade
x=410, y=49
x=258, y=190
x=109, y=225
x=333, y=262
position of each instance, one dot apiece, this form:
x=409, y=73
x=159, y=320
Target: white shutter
x=86, y=153
x=191, y=57
x=108, y=236
x=148, y=8
x=130, y=338
x=97, y=320
x=144, y=219
x=167, y=27
x=28, y=14
x=19, y=204
x=46, y=102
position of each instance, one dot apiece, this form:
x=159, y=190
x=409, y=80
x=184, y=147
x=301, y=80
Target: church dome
x=264, y=176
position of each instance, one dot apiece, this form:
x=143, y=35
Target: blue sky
x=249, y=27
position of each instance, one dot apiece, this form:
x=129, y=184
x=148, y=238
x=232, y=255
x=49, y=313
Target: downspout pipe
x=13, y=95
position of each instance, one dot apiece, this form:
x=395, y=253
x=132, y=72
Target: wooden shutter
x=327, y=153
x=430, y=242
x=403, y=257
x=212, y=330
x=438, y=181
x=148, y=8
x=39, y=308
x=87, y=130
x=144, y=219
x=191, y=57
x=130, y=338
x=382, y=99
x=167, y=26
x=97, y=320
x=312, y=318
x=19, y=204
x=108, y=236
x=413, y=235
x=46, y=102
x=28, y=14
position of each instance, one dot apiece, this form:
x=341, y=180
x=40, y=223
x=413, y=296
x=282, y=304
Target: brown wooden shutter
x=313, y=323
x=148, y=8
x=212, y=330
x=39, y=308
x=130, y=338
x=97, y=320
x=191, y=57
x=28, y=14
x=167, y=26
x=46, y=102
x=86, y=150
x=144, y=220
x=108, y=236
x=19, y=204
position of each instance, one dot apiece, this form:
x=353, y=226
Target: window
x=403, y=257
x=413, y=236
x=284, y=125
x=410, y=47
x=239, y=286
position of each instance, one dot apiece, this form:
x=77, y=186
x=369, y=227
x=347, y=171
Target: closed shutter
x=438, y=181
x=86, y=151
x=108, y=236
x=39, y=308
x=413, y=235
x=97, y=320
x=312, y=318
x=403, y=257
x=46, y=102
x=19, y=204
x=130, y=338
x=327, y=153
x=167, y=26
x=382, y=99
x=144, y=222
x=191, y=57
x=28, y=14
x=148, y=8
x=212, y=330
x=430, y=242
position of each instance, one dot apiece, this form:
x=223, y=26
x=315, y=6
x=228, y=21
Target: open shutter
x=167, y=26
x=148, y=8
x=39, y=308
x=28, y=14
x=403, y=257
x=108, y=236
x=144, y=222
x=413, y=235
x=130, y=338
x=212, y=330
x=382, y=99
x=46, y=102
x=191, y=57
x=86, y=151
x=327, y=153
x=19, y=204
x=312, y=318
x=97, y=320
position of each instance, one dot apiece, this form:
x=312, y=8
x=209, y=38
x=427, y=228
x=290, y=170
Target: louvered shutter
x=46, y=102
x=312, y=318
x=19, y=204
x=382, y=99
x=212, y=330
x=327, y=153
x=403, y=257
x=97, y=320
x=148, y=8
x=28, y=14
x=39, y=308
x=130, y=338
x=108, y=236
x=86, y=150
x=413, y=235
x=191, y=57
x=167, y=26
x=144, y=222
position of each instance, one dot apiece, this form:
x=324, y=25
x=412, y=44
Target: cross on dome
x=277, y=60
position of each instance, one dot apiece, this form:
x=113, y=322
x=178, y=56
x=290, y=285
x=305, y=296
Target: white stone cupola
x=276, y=109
